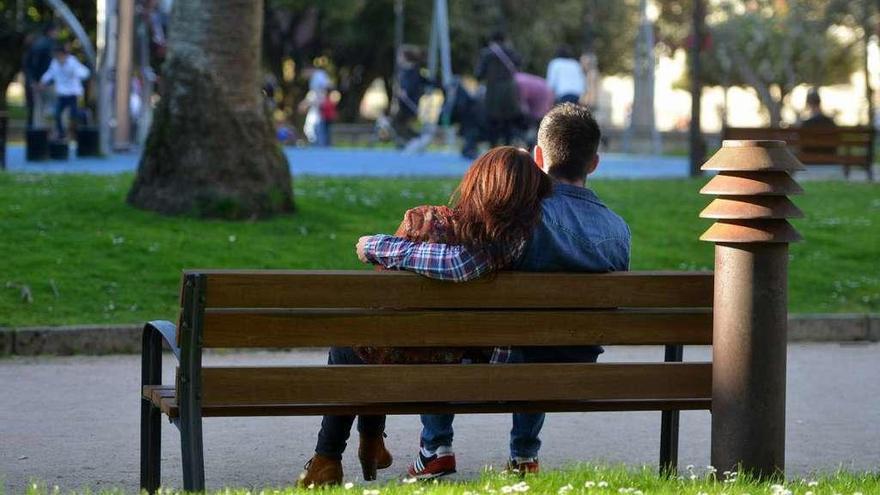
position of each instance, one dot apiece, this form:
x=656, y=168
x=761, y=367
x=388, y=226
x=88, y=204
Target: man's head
x=61, y=51
x=568, y=139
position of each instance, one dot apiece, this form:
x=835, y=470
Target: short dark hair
x=569, y=138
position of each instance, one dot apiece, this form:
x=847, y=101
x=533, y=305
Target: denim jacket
x=577, y=232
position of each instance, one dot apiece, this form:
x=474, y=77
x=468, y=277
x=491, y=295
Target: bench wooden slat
x=168, y=404
x=825, y=158
x=460, y=383
x=365, y=289
x=311, y=328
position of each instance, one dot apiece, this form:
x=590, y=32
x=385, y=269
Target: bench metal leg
x=151, y=447
x=151, y=416
x=189, y=384
x=669, y=423
x=192, y=454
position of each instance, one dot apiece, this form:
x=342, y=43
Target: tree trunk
x=211, y=150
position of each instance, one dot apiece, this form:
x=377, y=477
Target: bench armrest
x=168, y=331
x=151, y=351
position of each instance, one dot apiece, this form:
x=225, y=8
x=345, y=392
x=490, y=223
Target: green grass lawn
x=585, y=480
x=72, y=251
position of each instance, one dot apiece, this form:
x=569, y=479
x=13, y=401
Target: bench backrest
x=840, y=145
x=284, y=309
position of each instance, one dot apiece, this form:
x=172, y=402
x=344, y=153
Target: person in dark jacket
x=411, y=86
x=35, y=63
x=496, y=68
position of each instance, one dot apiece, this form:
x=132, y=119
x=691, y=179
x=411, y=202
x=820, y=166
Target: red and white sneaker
x=431, y=465
x=523, y=465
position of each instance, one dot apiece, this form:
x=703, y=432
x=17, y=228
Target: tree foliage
x=771, y=46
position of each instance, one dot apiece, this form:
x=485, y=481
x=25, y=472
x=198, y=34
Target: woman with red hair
x=493, y=212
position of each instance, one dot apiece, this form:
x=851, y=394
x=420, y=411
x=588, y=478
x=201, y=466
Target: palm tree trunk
x=211, y=150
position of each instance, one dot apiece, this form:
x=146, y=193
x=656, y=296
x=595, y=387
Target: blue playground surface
x=363, y=162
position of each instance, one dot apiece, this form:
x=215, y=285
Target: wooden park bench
x=285, y=309
x=839, y=145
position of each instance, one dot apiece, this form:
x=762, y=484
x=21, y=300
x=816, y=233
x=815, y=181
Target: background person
x=316, y=128
x=815, y=116
x=566, y=76
x=536, y=99
x=411, y=85
x=37, y=59
x=496, y=68
x=67, y=74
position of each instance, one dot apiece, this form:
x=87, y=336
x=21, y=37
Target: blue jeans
x=335, y=430
x=524, y=442
x=61, y=103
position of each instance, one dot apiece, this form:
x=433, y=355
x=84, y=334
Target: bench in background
x=840, y=145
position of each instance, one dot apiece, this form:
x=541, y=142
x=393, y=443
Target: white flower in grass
x=589, y=484
x=506, y=489
x=857, y=493
x=809, y=493
x=232, y=238
x=813, y=483
x=521, y=487
x=565, y=489
x=371, y=492
x=692, y=477
x=409, y=481
x=603, y=484
x=349, y=485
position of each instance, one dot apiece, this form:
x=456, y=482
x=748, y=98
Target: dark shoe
x=373, y=455
x=441, y=463
x=523, y=465
x=321, y=471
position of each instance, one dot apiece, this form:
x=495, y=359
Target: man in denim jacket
x=577, y=233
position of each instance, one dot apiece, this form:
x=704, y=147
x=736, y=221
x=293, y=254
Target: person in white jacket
x=566, y=77
x=67, y=74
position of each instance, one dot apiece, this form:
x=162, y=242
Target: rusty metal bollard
x=751, y=236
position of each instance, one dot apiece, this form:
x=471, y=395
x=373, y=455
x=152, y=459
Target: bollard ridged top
x=753, y=155
x=752, y=186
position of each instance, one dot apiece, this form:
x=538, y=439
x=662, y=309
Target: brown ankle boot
x=373, y=455
x=321, y=471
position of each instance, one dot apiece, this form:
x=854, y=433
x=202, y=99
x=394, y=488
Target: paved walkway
x=74, y=422
x=357, y=162
x=377, y=162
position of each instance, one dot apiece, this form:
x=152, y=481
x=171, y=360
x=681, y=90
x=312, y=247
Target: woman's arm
x=438, y=261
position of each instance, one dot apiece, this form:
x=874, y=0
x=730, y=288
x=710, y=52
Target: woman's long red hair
x=498, y=203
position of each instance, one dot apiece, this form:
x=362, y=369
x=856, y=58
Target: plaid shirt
x=439, y=261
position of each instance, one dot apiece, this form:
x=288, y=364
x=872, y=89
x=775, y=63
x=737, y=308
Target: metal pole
x=751, y=237
x=869, y=90
x=106, y=23
x=125, y=32
x=697, y=147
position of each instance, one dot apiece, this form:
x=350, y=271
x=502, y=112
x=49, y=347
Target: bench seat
x=164, y=397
